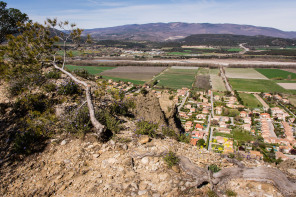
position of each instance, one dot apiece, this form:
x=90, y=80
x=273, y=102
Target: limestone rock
x=176, y=168
x=144, y=139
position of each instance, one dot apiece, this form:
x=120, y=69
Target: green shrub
x=34, y=129
x=230, y=193
x=83, y=73
x=53, y=74
x=167, y=131
x=50, y=87
x=184, y=138
x=122, y=107
x=106, y=118
x=211, y=193
x=78, y=122
x=17, y=86
x=171, y=159
x=200, y=143
x=69, y=88
x=146, y=128
x=31, y=102
x=214, y=168
x=27, y=142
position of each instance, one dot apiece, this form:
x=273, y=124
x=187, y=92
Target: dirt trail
x=245, y=49
x=228, y=87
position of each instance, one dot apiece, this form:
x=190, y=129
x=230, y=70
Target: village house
x=205, y=111
x=277, y=97
x=192, y=110
x=267, y=95
x=198, y=134
x=247, y=127
x=247, y=120
x=281, y=155
x=218, y=110
x=243, y=114
x=217, y=98
x=265, y=116
x=198, y=127
x=188, y=106
x=223, y=130
x=201, y=116
x=188, y=125
x=286, y=101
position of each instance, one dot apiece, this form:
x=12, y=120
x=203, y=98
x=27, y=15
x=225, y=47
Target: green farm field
x=177, y=78
x=276, y=73
x=94, y=70
x=250, y=100
x=235, y=50
x=256, y=85
x=136, y=82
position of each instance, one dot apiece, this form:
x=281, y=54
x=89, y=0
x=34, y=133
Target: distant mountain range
x=172, y=31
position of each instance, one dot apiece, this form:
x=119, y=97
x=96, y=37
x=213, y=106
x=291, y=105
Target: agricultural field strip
x=217, y=83
x=256, y=85
x=288, y=86
x=250, y=100
x=134, y=72
x=177, y=78
x=243, y=73
x=94, y=70
x=185, y=67
x=276, y=73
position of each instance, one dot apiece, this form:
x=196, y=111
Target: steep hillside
x=167, y=31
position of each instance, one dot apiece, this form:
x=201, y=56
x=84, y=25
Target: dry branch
x=261, y=174
x=100, y=129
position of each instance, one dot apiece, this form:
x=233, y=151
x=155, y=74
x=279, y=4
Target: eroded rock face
x=162, y=111
x=148, y=108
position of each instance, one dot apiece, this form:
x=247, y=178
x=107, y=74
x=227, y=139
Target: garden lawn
x=276, y=73
x=177, y=78
x=250, y=100
x=93, y=70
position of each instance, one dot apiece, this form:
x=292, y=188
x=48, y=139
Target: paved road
x=224, y=62
x=212, y=103
x=271, y=129
x=265, y=105
x=183, y=101
x=211, y=138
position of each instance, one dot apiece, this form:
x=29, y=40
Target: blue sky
x=87, y=14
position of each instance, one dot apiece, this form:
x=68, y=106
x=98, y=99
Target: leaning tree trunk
x=100, y=129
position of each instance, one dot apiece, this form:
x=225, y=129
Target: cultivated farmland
x=255, y=85
x=243, y=73
x=288, y=86
x=177, y=78
x=142, y=73
x=216, y=80
x=276, y=73
x=94, y=70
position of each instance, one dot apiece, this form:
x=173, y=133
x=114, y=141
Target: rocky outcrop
x=150, y=108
